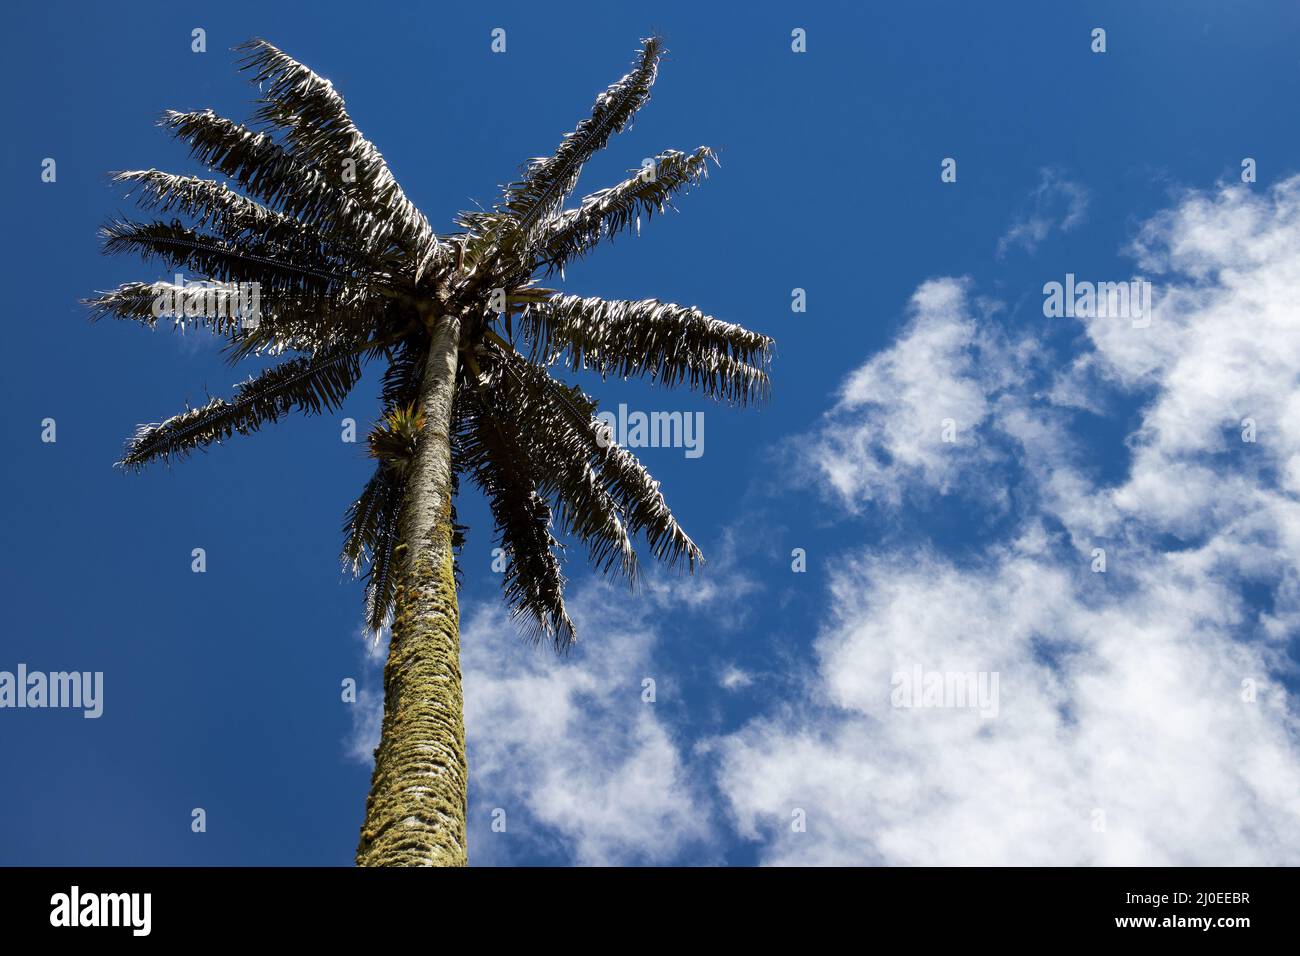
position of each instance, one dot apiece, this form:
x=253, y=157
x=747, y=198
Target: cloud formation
x=912, y=417
x=1056, y=203
x=1143, y=715
x=573, y=751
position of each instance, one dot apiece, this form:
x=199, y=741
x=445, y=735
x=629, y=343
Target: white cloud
x=582, y=765
x=569, y=748
x=1120, y=692
x=368, y=710
x=1131, y=707
x=886, y=434
x=718, y=586
x=1055, y=203
x=566, y=746
x=733, y=678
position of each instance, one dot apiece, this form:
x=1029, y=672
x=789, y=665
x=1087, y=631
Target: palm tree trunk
x=415, y=814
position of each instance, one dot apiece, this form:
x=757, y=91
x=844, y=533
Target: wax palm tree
x=348, y=271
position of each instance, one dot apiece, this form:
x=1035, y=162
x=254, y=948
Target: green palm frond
x=393, y=439
x=380, y=578
x=361, y=524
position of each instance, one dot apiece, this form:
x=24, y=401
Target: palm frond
x=361, y=522
x=532, y=583
x=523, y=402
x=605, y=213
x=561, y=427
x=311, y=384
x=370, y=539
x=319, y=131
x=548, y=180
x=269, y=172
x=301, y=321
x=273, y=267
x=314, y=323
x=668, y=343
x=401, y=379
x=233, y=216
x=217, y=305
x=381, y=574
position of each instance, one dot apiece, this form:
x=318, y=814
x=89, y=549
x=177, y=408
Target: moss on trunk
x=415, y=814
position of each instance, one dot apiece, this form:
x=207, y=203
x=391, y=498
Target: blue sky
x=1121, y=693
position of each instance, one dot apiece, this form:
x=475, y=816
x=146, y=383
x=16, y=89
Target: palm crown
x=350, y=271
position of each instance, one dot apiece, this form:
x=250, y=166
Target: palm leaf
x=267, y=171
x=532, y=583
x=371, y=534
x=563, y=426
x=608, y=212
x=559, y=457
x=308, y=384
x=178, y=246
x=547, y=181
x=319, y=131
x=668, y=343
x=139, y=301
x=289, y=322
x=232, y=216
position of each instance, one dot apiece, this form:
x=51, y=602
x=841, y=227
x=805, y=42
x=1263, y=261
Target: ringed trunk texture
x=415, y=814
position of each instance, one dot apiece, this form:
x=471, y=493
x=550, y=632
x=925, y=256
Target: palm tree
x=347, y=271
